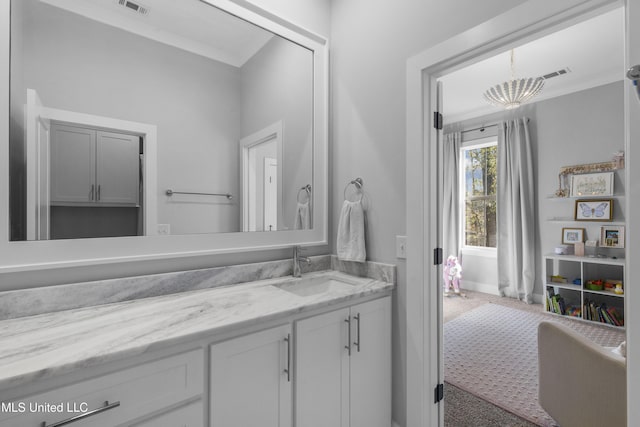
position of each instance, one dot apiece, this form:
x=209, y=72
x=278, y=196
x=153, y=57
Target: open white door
x=632, y=272
x=439, y=179
x=270, y=200
x=37, y=130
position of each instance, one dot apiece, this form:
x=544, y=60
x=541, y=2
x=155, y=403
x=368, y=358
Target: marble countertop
x=45, y=345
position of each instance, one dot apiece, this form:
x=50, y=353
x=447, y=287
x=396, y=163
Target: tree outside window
x=480, y=185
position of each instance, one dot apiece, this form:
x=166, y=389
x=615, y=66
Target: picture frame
x=592, y=184
x=594, y=210
x=612, y=236
x=572, y=235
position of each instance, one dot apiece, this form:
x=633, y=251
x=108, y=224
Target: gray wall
x=371, y=41
x=582, y=127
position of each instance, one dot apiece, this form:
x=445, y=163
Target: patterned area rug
x=492, y=352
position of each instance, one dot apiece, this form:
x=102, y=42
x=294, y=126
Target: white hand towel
x=302, y=220
x=350, y=242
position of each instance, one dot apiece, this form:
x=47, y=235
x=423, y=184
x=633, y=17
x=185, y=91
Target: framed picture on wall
x=612, y=237
x=594, y=210
x=572, y=235
x=592, y=184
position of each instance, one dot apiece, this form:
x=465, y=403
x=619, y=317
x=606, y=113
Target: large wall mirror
x=130, y=121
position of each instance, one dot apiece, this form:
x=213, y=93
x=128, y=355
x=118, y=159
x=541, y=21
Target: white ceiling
x=191, y=25
x=593, y=50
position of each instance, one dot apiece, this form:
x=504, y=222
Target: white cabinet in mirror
x=221, y=115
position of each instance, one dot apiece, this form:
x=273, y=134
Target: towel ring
x=307, y=189
x=356, y=183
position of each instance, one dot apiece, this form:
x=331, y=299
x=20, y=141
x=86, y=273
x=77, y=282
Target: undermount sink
x=305, y=287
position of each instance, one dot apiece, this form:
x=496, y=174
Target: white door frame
x=525, y=22
x=270, y=133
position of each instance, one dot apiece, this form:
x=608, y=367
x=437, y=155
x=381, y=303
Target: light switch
x=401, y=246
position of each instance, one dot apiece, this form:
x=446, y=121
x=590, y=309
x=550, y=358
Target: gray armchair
x=580, y=383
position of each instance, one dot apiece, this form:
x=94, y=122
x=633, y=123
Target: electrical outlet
x=401, y=246
x=164, y=229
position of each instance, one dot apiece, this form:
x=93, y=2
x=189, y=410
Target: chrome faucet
x=297, y=272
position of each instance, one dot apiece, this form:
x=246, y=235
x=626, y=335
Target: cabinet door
x=322, y=370
x=249, y=383
x=72, y=164
x=117, y=168
x=370, y=373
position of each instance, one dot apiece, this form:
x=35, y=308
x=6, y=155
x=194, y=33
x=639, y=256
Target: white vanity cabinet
x=129, y=396
x=92, y=167
x=343, y=367
x=251, y=380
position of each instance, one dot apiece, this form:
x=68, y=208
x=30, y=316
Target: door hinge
x=437, y=120
x=439, y=393
x=437, y=256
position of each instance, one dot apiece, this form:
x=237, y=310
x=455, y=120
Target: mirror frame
x=16, y=256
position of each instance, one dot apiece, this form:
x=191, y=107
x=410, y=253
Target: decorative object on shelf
x=612, y=236
x=578, y=248
x=594, y=285
x=589, y=168
x=511, y=94
x=572, y=235
x=564, y=250
x=561, y=191
x=567, y=171
x=618, y=159
x=612, y=284
x=558, y=279
x=594, y=210
x=592, y=184
x=591, y=248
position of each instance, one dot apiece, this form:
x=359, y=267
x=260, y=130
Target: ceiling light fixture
x=511, y=94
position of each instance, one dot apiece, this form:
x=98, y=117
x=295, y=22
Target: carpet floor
x=491, y=352
x=463, y=409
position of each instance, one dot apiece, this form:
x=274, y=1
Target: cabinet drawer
x=190, y=415
x=141, y=389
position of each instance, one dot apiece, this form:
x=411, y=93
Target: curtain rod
x=482, y=128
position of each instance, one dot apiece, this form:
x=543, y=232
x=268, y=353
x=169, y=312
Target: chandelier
x=511, y=94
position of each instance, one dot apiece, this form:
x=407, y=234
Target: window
x=479, y=183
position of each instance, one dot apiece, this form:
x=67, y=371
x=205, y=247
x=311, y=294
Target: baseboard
x=491, y=290
x=485, y=288
x=538, y=299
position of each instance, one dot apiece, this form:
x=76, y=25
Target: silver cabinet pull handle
x=288, y=368
x=357, y=343
x=348, y=346
x=99, y=191
x=106, y=407
x=93, y=187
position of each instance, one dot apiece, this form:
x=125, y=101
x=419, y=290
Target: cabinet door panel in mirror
x=202, y=79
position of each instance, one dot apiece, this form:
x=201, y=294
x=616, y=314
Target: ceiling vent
x=556, y=73
x=134, y=6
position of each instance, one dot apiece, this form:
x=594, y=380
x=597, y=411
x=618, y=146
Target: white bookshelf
x=575, y=295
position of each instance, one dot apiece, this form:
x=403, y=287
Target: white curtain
x=451, y=202
x=515, y=215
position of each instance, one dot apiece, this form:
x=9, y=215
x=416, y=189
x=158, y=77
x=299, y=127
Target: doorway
x=261, y=176
x=518, y=25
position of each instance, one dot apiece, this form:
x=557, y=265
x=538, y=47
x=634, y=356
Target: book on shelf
x=602, y=313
